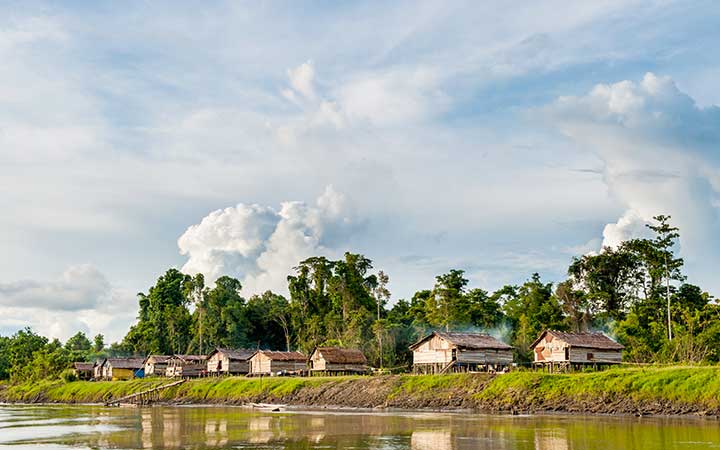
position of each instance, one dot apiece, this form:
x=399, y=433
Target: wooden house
x=266, y=362
x=98, y=369
x=440, y=352
x=561, y=350
x=83, y=370
x=156, y=365
x=334, y=360
x=186, y=366
x=224, y=361
x=122, y=368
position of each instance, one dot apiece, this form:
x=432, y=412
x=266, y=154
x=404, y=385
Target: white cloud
x=660, y=151
x=629, y=226
x=80, y=287
x=259, y=244
x=302, y=80
x=81, y=299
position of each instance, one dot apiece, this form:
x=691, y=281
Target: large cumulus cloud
x=260, y=244
x=661, y=154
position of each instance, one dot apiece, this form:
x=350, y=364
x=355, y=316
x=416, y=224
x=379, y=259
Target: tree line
x=636, y=292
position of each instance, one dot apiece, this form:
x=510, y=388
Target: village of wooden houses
x=437, y=353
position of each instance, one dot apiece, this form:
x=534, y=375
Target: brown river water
x=197, y=427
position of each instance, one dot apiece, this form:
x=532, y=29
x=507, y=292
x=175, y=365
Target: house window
x=590, y=356
x=567, y=354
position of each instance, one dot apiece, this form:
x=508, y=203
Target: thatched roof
x=240, y=354
x=282, y=356
x=125, y=363
x=584, y=340
x=469, y=341
x=87, y=366
x=336, y=355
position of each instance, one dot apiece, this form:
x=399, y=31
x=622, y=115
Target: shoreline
x=644, y=392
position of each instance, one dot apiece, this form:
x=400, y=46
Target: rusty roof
x=470, y=341
x=282, y=356
x=125, y=363
x=239, y=354
x=584, y=340
x=336, y=355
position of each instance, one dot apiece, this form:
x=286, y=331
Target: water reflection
x=552, y=439
x=225, y=427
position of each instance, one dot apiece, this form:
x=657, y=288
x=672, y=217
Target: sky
x=238, y=138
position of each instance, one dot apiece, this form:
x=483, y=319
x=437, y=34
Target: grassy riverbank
x=671, y=390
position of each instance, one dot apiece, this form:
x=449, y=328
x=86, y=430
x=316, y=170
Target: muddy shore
x=664, y=391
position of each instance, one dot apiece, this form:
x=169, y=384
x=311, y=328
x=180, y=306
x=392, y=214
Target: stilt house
x=224, y=361
x=122, y=368
x=83, y=370
x=334, y=360
x=560, y=350
x=156, y=365
x=186, y=366
x=440, y=352
x=266, y=362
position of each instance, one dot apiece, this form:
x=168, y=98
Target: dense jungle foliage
x=628, y=292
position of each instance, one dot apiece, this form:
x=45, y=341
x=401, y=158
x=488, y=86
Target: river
x=164, y=427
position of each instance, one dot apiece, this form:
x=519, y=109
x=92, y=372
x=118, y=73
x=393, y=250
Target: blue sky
x=239, y=137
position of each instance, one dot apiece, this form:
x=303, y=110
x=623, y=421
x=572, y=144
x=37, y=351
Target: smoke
x=259, y=244
x=661, y=155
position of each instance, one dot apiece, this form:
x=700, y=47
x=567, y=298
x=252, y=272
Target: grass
x=688, y=385
x=679, y=385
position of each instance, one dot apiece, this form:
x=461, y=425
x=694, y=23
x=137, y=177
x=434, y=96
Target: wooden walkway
x=144, y=397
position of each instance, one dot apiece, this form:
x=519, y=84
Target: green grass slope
x=652, y=390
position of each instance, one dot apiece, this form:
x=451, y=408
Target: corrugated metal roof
x=336, y=355
x=471, y=341
x=583, y=340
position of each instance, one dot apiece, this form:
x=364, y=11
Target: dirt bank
x=654, y=391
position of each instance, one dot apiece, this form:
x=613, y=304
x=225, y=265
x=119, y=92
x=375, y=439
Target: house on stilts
x=266, y=362
x=337, y=361
x=186, y=366
x=560, y=351
x=441, y=352
x=225, y=361
x=156, y=365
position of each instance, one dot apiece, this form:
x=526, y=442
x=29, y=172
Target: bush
x=68, y=375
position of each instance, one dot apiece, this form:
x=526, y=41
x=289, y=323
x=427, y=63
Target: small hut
x=558, y=350
x=266, y=362
x=156, y=365
x=440, y=352
x=186, y=366
x=225, y=361
x=122, y=368
x=83, y=370
x=337, y=361
x=98, y=368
